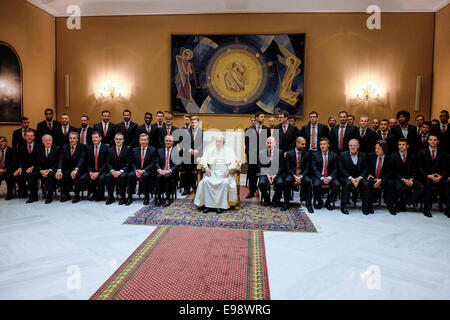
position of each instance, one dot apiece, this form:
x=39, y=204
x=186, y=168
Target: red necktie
x=148, y=130
x=270, y=155
x=118, y=153
x=313, y=138
x=82, y=136
x=105, y=130
x=284, y=129
x=363, y=133
x=432, y=155
x=404, y=158
x=168, y=131
x=2, y=160
x=423, y=138
x=259, y=130
x=65, y=131
x=378, y=168
x=193, y=134
x=166, y=164
x=126, y=126
x=96, y=158
x=384, y=136
x=142, y=158
x=71, y=152
x=46, y=153
x=50, y=126
x=443, y=130
x=298, y=165
x=29, y=149
x=325, y=165
x=341, y=138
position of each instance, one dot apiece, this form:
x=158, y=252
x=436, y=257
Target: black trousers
x=28, y=182
x=306, y=186
x=252, y=177
x=264, y=186
x=447, y=192
x=428, y=191
x=347, y=186
x=334, y=189
x=165, y=183
x=110, y=184
x=50, y=184
x=416, y=192
x=188, y=176
x=97, y=186
x=145, y=179
x=9, y=178
x=79, y=183
x=389, y=191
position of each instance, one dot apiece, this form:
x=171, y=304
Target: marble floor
x=65, y=251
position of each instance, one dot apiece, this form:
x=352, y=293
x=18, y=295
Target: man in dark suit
x=96, y=158
x=254, y=136
x=85, y=131
x=72, y=168
x=167, y=170
x=341, y=134
x=386, y=135
x=62, y=134
x=106, y=128
x=325, y=172
x=271, y=161
x=48, y=126
x=405, y=175
x=47, y=165
x=422, y=138
x=8, y=165
x=159, y=119
x=353, y=170
x=194, y=147
x=380, y=171
x=313, y=132
x=18, y=137
x=285, y=133
x=26, y=173
x=405, y=130
x=297, y=166
x=149, y=129
x=366, y=136
x=167, y=129
x=128, y=128
x=142, y=160
x=443, y=131
x=432, y=169
x=420, y=119
x=118, y=166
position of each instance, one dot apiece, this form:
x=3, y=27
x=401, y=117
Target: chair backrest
x=233, y=140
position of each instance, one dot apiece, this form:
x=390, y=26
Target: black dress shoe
x=329, y=206
x=91, y=197
x=146, y=201
x=48, y=200
x=218, y=211
x=370, y=209
x=122, y=201
x=166, y=203
x=319, y=205
x=266, y=202
x=284, y=207
x=31, y=200
x=129, y=201
x=185, y=193
x=392, y=211
x=109, y=201
x=250, y=195
x=427, y=212
x=310, y=208
x=206, y=210
x=65, y=197
x=365, y=210
x=76, y=199
x=9, y=197
x=344, y=209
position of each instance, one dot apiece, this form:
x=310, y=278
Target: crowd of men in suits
x=408, y=162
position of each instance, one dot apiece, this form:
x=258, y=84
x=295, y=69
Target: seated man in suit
x=72, y=168
x=422, y=138
x=106, y=128
x=27, y=172
x=97, y=154
x=366, y=136
x=313, y=132
x=48, y=126
x=195, y=148
x=297, y=166
x=128, y=128
x=405, y=175
x=342, y=133
x=85, y=131
x=271, y=162
x=19, y=134
x=325, y=172
x=167, y=170
x=352, y=166
x=7, y=167
x=142, y=161
x=62, y=134
x=380, y=172
x=118, y=166
x=47, y=165
x=432, y=166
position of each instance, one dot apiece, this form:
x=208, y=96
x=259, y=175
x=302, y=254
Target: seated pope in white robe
x=218, y=185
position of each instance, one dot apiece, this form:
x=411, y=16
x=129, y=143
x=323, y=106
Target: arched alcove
x=10, y=85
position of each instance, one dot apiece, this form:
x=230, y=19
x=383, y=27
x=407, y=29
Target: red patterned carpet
x=193, y=264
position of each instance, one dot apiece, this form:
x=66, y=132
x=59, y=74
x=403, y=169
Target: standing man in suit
x=287, y=133
x=375, y=125
x=118, y=166
x=48, y=126
x=106, y=128
x=271, y=161
x=422, y=138
x=405, y=175
x=128, y=128
x=72, y=168
x=331, y=122
x=159, y=119
x=47, y=166
x=313, y=132
x=352, y=166
x=167, y=129
x=419, y=122
x=149, y=129
x=195, y=148
x=64, y=130
x=405, y=130
x=432, y=166
x=341, y=134
x=297, y=164
x=96, y=158
x=386, y=135
x=393, y=123
x=167, y=170
x=366, y=136
x=85, y=131
x=8, y=165
x=325, y=172
x=351, y=119
x=26, y=173
x=443, y=131
x=380, y=173
x=142, y=161
x=254, y=135
x=18, y=137
x=271, y=125
x=187, y=122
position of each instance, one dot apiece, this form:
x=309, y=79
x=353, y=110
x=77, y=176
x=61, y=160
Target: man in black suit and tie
x=47, y=165
x=48, y=126
x=149, y=129
x=420, y=119
x=405, y=175
x=187, y=122
x=432, y=169
x=405, y=130
x=271, y=161
x=18, y=137
x=106, y=128
x=27, y=172
x=422, y=138
x=72, y=168
x=313, y=132
x=380, y=170
x=62, y=134
x=128, y=128
x=194, y=147
x=286, y=133
x=118, y=166
x=159, y=119
x=167, y=170
x=167, y=129
x=386, y=135
x=353, y=170
x=254, y=136
x=325, y=172
x=96, y=158
x=366, y=136
x=85, y=131
x=297, y=166
x=443, y=131
x=342, y=133
x=142, y=161
x=8, y=165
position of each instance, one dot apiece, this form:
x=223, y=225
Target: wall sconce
x=110, y=89
x=368, y=91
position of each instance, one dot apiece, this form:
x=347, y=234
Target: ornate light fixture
x=368, y=91
x=110, y=89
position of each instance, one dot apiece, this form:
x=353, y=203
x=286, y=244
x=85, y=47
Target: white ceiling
x=145, y=7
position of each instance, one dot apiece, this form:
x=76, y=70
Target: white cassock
x=216, y=191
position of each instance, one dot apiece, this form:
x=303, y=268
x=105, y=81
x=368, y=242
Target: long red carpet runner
x=193, y=264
